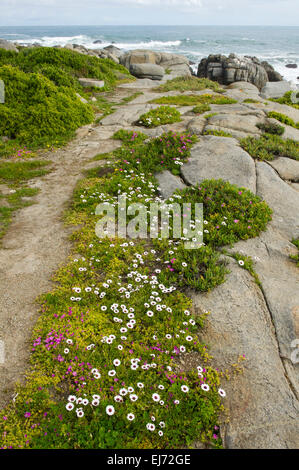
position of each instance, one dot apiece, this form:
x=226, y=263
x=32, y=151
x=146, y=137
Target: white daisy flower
x=205, y=387
x=110, y=410
x=156, y=397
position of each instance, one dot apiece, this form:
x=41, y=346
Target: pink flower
x=27, y=414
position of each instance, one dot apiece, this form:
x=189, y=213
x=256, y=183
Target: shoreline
x=278, y=46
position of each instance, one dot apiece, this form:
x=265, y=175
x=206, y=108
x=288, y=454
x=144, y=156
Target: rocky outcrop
x=177, y=64
x=8, y=46
x=273, y=76
x=227, y=70
x=105, y=53
x=115, y=51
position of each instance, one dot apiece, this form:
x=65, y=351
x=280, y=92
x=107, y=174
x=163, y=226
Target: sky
x=148, y=12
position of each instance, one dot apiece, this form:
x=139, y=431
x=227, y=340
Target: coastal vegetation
x=284, y=119
x=189, y=84
x=271, y=128
x=268, y=147
x=42, y=105
x=217, y=133
x=106, y=349
x=159, y=116
x=286, y=99
x=191, y=100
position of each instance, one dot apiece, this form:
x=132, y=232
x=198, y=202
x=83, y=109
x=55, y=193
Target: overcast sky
x=150, y=12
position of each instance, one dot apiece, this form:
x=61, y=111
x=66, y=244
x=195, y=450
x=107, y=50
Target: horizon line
x=152, y=25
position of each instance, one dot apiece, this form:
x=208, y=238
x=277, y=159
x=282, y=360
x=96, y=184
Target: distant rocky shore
x=155, y=65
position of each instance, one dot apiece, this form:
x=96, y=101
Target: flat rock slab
x=236, y=108
x=289, y=131
x=275, y=89
x=289, y=111
x=241, y=95
x=262, y=407
x=90, y=82
x=128, y=115
x=240, y=123
x=232, y=132
x=168, y=183
x=281, y=197
x=197, y=125
x=287, y=168
x=279, y=276
x=220, y=158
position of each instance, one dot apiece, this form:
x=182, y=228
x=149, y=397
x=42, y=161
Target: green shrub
x=58, y=76
x=190, y=100
x=36, y=111
x=167, y=152
x=63, y=61
x=201, y=108
x=271, y=128
x=286, y=99
x=130, y=137
x=268, y=146
x=295, y=257
x=230, y=213
x=283, y=118
x=159, y=116
x=189, y=84
x=217, y=133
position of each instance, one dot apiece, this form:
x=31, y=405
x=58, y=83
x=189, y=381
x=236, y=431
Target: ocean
x=279, y=45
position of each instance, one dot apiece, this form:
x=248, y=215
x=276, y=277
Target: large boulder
x=8, y=46
x=153, y=71
x=168, y=183
x=227, y=70
x=275, y=89
x=273, y=76
x=177, y=64
x=220, y=158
